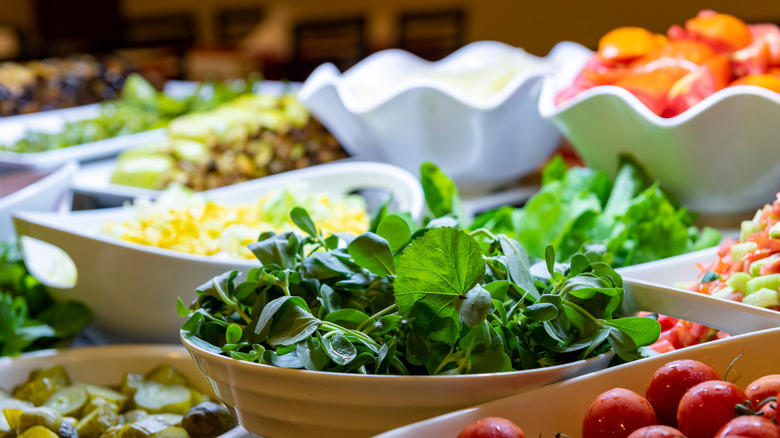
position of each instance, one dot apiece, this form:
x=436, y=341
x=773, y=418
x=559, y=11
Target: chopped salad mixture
x=185, y=221
x=747, y=270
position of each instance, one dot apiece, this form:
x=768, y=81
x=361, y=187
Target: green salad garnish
x=140, y=108
x=403, y=299
x=29, y=318
x=632, y=218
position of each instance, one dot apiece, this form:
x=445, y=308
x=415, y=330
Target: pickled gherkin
x=142, y=405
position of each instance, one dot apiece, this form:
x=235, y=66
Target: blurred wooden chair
x=341, y=41
x=432, y=35
x=160, y=42
x=231, y=25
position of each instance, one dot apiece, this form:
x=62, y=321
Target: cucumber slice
x=771, y=281
x=738, y=250
x=68, y=401
x=774, y=232
x=746, y=228
x=96, y=422
x=723, y=293
x=155, y=398
x=738, y=281
x=763, y=298
x=755, y=267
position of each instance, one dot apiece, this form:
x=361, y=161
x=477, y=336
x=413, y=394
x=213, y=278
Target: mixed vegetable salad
x=405, y=299
x=30, y=319
x=746, y=270
x=671, y=73
x=245, y=138
x=140, y=108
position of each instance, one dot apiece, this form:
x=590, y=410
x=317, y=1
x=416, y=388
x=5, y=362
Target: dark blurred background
x=198, y=39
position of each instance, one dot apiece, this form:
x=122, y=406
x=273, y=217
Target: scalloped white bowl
x=398, y=108
x=720, y=156
x=132, y=288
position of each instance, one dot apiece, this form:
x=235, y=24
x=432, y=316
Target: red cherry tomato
x=671, y=381
x=616, y=413
x=763, y=387
x=768, y=410
x=492, y=427
x=749, y=426
x=656, y=431
x=706, y=407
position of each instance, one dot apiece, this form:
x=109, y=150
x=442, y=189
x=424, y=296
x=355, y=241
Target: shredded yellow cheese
x=187, y=222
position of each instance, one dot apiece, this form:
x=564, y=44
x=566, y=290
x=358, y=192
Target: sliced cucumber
x=763, y=298
x=129, y=383
x=738, y=250
x=746, y=228
x=755, y=267
x=107, y=394
x=144, y=428
x=771, y=281
x=738, y=281
x=68, y=401
x=155, y=398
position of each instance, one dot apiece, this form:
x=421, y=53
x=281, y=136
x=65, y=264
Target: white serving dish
x=49, y=193
x=285, y=403
x=13, y=128
x=480, y=141
x=720, y=156
x=671, y=271
x=538, y=412
x=105, y=365
x=132, y=289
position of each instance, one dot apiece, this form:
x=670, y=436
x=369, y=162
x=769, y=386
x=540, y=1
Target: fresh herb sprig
x=29, y=318
x=399, y=300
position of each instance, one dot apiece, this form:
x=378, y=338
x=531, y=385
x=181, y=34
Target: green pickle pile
x=158, y=404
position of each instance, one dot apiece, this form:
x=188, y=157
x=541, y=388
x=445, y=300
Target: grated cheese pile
x=182, y=220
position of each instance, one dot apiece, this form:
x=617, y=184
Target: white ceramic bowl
x=132, y=289
x=720, y=156
x=105, y=365
x=539, y=412
x=46, y=194
x=284, y=403
x=393, y=107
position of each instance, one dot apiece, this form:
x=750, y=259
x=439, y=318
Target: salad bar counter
x=307, y=259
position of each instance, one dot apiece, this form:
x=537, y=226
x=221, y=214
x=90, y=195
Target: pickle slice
x=172, y=419
x=38, y=432
x=208, y=420
x=107, y=394
x=41, y=416
x=68, y=401
x=155, y=398
x=96, y=422
x=144, y=428
x=129, y=383
x=172, y=432
x=166, y=374
x=133, y=415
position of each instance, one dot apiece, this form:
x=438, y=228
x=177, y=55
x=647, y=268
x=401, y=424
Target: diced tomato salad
x=747, y=271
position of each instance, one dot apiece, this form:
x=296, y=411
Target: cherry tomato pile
x=684, y=398
x=671, y=73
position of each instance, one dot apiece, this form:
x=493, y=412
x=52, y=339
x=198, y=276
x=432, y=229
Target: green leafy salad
x=29, y=318
x=404, y=299
x=633, y=219
x=141, y=108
